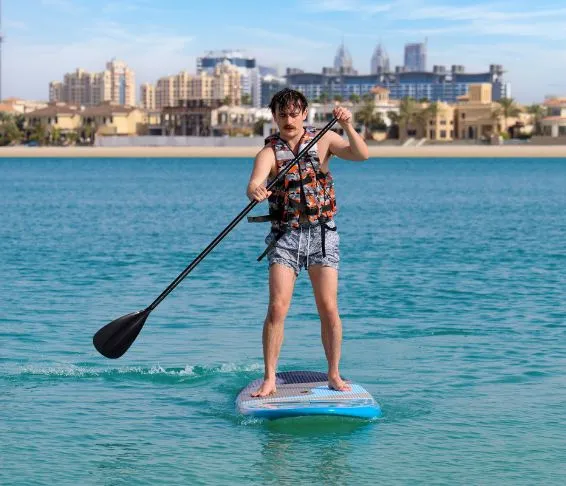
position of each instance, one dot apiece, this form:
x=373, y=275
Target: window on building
x=443, y=122
x=451, y=133
x=431, y=122
x=463, y=116
x=442, y=133
x=432, y=134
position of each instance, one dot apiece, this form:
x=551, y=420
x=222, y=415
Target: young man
x=303, y=231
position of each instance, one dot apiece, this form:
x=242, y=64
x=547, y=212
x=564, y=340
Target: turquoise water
x=452, y=293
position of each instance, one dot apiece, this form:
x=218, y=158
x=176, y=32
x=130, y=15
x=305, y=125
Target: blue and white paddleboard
x=302, y=393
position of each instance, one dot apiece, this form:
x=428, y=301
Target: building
x=342, y=62
x=379, y=61
x=438, y=85
x=113, y=119
x=55, y=116
x=554, y=124
x=476, y=116
x=269, y=86
x=189, y=117
x=116, y=84
x=18, y=106
x=415, y=57
x=237, y=120
x=222, y=84
x=147, y=97
x=250, y=83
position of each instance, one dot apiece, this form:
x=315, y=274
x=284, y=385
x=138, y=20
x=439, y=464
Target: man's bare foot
x=267, y=388
x=338, y=384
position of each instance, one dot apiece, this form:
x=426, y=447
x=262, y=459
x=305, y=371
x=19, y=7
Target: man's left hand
x=343, y=115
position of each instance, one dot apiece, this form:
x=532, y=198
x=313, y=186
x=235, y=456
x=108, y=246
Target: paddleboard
x=302, y=393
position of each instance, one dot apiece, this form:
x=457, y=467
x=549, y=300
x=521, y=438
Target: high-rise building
x=147, y=96
x=439, y=85
x=269, y=86
x=115, y=84
x=379, y=61
x=250, y=81
x=415, y=57
x=122, y=83
x=223, y=83
x=342, y=62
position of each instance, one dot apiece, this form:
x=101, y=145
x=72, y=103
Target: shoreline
x=387, y=151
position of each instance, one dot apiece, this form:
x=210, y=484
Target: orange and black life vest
x=305, y=194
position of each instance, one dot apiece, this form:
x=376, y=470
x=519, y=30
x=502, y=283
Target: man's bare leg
x=281, y=284
x=325, y=286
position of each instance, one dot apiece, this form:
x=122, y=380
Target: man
x=303, y=231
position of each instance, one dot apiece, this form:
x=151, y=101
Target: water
x=452, y=294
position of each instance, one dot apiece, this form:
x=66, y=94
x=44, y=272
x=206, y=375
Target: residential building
x=250, y=82
x=18, y=106
x=554, y=124
x=147, y=97
x=189, y=117
x=439, y=124
x=223, y=83
x=476, y=116
x=113, y=119
x=237, y=120
x=116, y=83
x=55, y=115
x=438, y=85
x=122, y=83
x=379, y=61
x=415, y=57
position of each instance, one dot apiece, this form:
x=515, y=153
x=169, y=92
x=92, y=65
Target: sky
x=43, y=39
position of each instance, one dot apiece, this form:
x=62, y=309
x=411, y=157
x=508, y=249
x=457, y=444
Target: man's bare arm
x=263, y=165
x=355, y=147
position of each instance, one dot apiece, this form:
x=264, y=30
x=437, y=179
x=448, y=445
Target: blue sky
x=43, y=39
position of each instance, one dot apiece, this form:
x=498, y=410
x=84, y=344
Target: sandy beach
x=451, y=151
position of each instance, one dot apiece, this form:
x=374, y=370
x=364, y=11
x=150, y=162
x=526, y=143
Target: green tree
x=355, y=98
x=227, y=100
x=508, y=108
x=370, y=119
x=246, y=99
x=10, y=133
x=39, y=134
x=538, y=112
x=338, y=98
x=324, y=98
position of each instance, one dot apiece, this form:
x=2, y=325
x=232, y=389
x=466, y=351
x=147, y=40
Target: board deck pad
x=306, y=393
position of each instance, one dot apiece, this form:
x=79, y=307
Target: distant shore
x=375, y=151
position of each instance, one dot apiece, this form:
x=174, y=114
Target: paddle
x=114, y=339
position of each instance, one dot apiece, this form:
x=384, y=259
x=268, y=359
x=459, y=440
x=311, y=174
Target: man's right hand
x=260, y=193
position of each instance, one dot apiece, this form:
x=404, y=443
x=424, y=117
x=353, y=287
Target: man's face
x=290, y=120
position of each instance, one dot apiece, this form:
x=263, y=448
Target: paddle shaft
x=237, y=219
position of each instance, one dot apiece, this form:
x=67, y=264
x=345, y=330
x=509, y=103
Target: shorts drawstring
x=308, y=247
x=299, y=247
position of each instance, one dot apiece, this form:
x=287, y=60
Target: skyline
x=46, y=38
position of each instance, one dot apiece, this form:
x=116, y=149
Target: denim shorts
x=302, y=247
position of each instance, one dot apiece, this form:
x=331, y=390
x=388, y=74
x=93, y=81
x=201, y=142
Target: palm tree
x=508, y=109
x=246, y=99
x=324, y=98
x=355, y=98
x=338, y=98
x=538, y=112
x=366, y=116
x=408, y=110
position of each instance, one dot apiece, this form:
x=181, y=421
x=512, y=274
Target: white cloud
x=346, y=6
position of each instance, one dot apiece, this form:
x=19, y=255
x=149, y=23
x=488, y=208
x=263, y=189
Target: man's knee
x=277, y=311
x=328, y=310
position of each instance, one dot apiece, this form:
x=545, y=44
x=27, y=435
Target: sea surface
x=452, y=295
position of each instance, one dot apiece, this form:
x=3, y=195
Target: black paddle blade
x=114, y=339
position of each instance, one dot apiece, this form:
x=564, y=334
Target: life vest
x=305, y=194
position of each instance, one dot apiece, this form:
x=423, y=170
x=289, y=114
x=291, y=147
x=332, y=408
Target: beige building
x=18, y=106
x=55, y=115
x=223, y=83
x=113, y=119
x=237, y=120
x=116, y=84
x=476, y=114
x=440, y=124
x=147, y=97
x=554, y=124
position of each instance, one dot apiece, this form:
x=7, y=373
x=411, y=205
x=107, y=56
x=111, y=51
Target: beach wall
x=178, y=141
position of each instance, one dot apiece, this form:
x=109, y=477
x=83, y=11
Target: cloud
x=150, y=54
x=346, y=6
